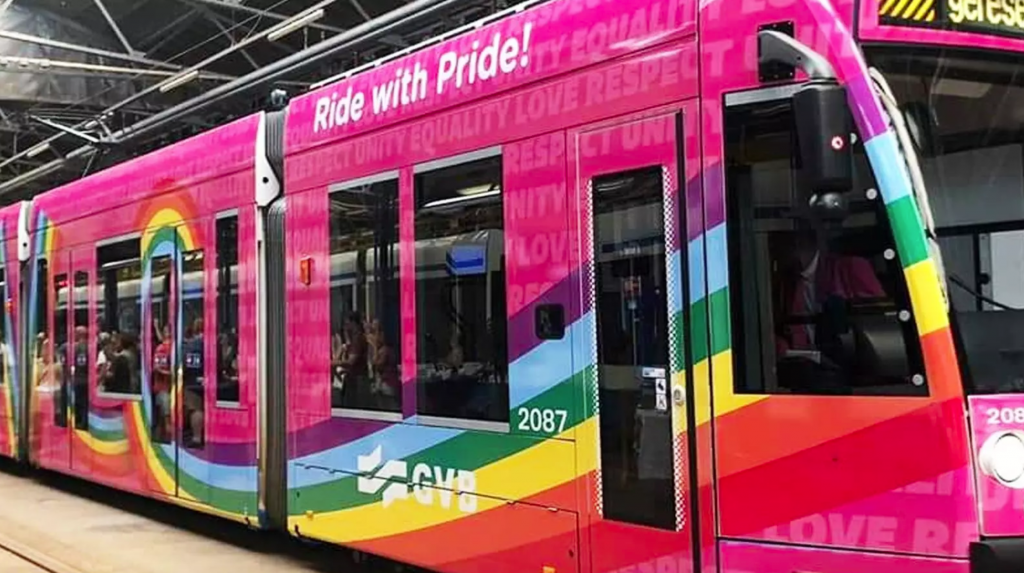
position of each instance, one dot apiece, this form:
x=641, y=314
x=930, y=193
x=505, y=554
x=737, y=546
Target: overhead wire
x=131, y=78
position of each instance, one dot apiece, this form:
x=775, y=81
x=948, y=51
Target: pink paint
x=308, y=319
x=1002, y=506
x=553, y=38
x=644, y=80
x=738, y=557
x=530, y=124
x=932, y=517
x=197, y=178
x=536, y=219
x=407, y=290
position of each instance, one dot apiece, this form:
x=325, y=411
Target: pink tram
x=596, y=286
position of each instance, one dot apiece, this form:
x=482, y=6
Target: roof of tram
x=75, y=71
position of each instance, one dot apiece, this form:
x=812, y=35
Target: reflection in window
x=60, y=350
x=161, y=364
x=966, y=114
x=81, y=352
x=192, y=349
x=819, y=303
x=42, y=351
x=227, y=309
x=462, y=362
x=632, y=348
x=119, y=275
x=365, y=319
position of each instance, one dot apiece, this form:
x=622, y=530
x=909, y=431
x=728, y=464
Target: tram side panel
x=11, y=386
x=159, y=253
x=482, y=456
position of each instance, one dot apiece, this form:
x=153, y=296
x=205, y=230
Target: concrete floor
x=101, y=531
x=12, y=564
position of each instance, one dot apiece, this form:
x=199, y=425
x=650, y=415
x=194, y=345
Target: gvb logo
x=429, y=485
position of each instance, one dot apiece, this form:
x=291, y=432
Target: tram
x=592, y=286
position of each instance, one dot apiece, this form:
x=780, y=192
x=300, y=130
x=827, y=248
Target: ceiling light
x=178, y=81
x=37, y=150
x=450, y=201
x=477, y=189
x=961, y=88
x=293, y=24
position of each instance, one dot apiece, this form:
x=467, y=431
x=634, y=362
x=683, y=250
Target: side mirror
x=823, y=134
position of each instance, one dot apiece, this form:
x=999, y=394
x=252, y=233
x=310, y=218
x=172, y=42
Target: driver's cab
x=825, y=304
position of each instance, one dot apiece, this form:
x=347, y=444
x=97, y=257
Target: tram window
x=366, y=350
x=118, y=276
x=4, y=358
x=227, y=309
x=59, y=366
x=632, y=348
x=819, y=303
x=193, y=367
x=161, y=366
x=42, y=354
x=82, y=350
x=462, y=354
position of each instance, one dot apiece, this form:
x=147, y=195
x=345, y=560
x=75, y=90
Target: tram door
x=628, y=185
x=53, y=364
x=159, y=294
x=81, y=355
x=173, y=280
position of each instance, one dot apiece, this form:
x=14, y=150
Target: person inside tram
x=194, y=405
x=81, y=377
x=228, y=349
x=43, y=361
x=456, y=357
x=384, y=363
x=162, y=385
x=105, y=361
x=819, y=285
x=351, y=361
x=125, y=377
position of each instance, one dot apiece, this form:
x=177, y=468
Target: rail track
x=17, y=557
x=50, y=523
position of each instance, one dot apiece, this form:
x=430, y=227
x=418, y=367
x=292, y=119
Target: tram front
x=956, y=83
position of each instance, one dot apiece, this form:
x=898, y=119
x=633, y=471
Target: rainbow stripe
x=118, y=443
x=12, y=388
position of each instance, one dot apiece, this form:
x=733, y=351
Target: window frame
x=180, y=367
x=77, y=271
x=342, y=186
x=217, y=218
x=504, y=427
x=100, y=303
x=61, y=396
x=782, y=94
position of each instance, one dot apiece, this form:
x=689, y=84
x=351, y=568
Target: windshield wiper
x=963, y=284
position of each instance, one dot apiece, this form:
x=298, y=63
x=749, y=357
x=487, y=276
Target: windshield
x=965, y=112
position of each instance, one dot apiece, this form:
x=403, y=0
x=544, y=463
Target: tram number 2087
x=1005, y=415
x=541, y=420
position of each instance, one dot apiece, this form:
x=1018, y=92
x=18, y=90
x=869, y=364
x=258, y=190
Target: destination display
x=1001, y=17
